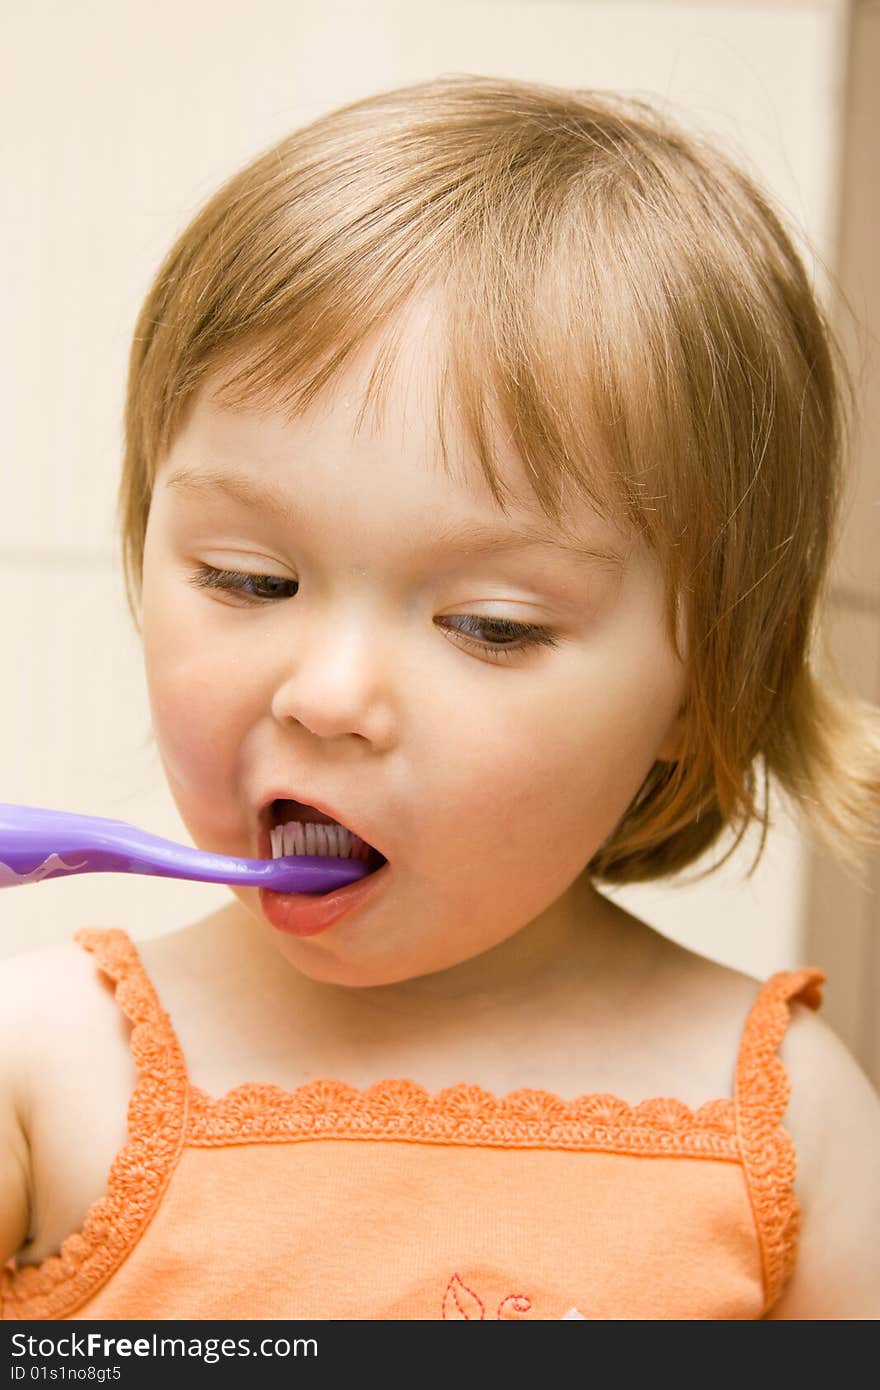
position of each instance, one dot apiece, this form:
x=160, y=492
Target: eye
x=520, y=636
x=235, y=582
x=503, y=639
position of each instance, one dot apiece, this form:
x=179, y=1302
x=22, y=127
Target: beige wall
x=125, y=119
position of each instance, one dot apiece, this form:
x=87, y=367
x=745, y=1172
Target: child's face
x=487, y=781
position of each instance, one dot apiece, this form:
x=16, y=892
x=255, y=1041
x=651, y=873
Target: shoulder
x=37, y=990
x=61, y=1025
x=52, y=989
x=833, y=1119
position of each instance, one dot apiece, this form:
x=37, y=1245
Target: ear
x=670, y=749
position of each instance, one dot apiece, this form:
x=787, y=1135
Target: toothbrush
x=36, y=844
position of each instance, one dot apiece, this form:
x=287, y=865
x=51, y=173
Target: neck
x=583, y=940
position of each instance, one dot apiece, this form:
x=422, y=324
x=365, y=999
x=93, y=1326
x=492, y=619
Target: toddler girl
x=481, y=478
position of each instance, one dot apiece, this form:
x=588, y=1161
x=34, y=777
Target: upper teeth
x=297, y=837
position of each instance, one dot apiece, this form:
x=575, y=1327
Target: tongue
x=297, y=810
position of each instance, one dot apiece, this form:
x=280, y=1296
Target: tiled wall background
x=119, y=121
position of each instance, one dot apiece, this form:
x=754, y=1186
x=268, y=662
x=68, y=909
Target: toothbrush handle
x=36, y=844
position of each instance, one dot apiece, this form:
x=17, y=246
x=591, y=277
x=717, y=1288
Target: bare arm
x=834, y=1119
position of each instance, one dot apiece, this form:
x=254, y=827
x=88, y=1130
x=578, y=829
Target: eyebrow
x=257, y=496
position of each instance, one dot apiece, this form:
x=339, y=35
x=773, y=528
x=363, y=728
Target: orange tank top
x=330, y=1202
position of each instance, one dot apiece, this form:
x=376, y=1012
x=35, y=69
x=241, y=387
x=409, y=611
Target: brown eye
x=519, y=636
x=236, y=582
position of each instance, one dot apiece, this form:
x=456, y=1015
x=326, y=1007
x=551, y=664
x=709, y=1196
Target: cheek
x=514, y=779
x=194, y=701
x=557, y=771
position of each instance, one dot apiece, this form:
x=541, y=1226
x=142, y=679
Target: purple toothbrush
x=36, y=844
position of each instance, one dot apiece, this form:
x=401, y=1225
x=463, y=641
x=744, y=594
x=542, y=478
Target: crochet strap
x=761, y=1094
x=157, y=1114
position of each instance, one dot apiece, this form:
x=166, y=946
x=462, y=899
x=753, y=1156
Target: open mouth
x=293, y=827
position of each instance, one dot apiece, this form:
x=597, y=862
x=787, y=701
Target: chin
x=326, y=963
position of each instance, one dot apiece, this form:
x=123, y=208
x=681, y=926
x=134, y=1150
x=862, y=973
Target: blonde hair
x=631, y=304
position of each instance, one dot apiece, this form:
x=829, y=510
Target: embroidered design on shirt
x=461, y=1302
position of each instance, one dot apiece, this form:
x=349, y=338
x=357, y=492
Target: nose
x=337, y=683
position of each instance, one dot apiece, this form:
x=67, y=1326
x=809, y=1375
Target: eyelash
x=233, y=581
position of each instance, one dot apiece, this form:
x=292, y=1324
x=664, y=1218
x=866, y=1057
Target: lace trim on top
x=462, y=1114
x=762, y=1090
x=141, y=1170
x=166, y=1113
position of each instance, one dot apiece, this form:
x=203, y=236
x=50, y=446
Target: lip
x=307, y=914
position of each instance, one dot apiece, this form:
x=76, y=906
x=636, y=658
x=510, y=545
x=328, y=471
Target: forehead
x=391, y=399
